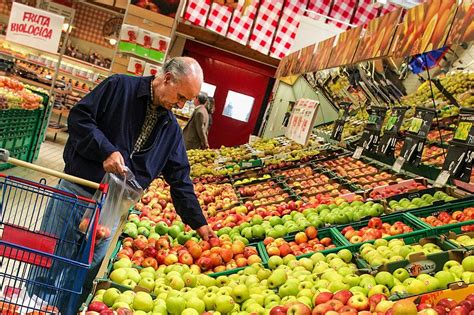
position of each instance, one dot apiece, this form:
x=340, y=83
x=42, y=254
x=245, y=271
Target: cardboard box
x=159, y=48
x=128, y=38
x=144, y=42
x=457, y=291
x=151, y=69
x=136, y=66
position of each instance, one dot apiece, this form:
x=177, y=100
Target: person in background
x=126, y=121
x=196, y=130
x=211, y=108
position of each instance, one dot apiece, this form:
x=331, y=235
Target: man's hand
x=114, y=163
x=206, y=232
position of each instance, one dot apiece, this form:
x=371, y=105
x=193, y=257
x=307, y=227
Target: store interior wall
x=286, y=93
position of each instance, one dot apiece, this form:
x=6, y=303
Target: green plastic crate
x=423, y=213
x=456, y=232
x=337, y=238
x=408, y=240
x=417, y=225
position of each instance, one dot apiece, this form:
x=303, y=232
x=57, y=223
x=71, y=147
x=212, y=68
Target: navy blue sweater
x=110, y=119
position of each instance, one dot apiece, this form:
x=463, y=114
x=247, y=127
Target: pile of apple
x=425, y=200
x=382, y=251
x=434, y=135
x=396, y=189
x=464, y=240
x=304, y=242
x=377, y=180
x=445, y=217
x=214, y=197
x=448, y=306
x=260, y=190
x=219, y=254
x=243, y=181
x=375, y=229
x=261, y=223
x=297, y=172
x=289, y=285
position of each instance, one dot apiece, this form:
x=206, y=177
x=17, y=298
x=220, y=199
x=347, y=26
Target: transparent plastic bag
x=122, y=193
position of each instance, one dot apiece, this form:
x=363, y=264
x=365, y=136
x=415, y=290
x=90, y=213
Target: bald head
x=180, y=79
x=181, y=67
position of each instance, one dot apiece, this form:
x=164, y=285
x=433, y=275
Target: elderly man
x=127, y=121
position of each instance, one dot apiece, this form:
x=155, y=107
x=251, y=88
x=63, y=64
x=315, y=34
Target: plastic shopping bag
x=122, y=193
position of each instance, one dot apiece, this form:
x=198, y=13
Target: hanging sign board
x=412, y=149
x=371, y=135
x=390, y=132
x=302, y=121
x=341, y=121
x=460, y=155
x=34, y=27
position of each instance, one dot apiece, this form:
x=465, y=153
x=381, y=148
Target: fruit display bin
x=457, y=291
x=337, y=239
x=456, y=233
x=450, y=208
x=118, y=247
x=452, y=192
x=408, y=185
x=417, y=226
x=409, y=264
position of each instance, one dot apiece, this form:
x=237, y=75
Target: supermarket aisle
x=51, y=156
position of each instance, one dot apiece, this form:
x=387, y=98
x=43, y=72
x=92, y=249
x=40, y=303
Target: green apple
x=400, y=288
x=345, y=255
x=271, y=298
x=379, y=289
x=401, y=274
x=416, y=287
x=277, y=278
x=358, y=290
x=224, y=304
x=287, y=289
x=147, y=283
x=177, y=283
x=120, y=304
x=352, y=280
x=196, y=304
x=468, y=263
x=456, y=271
x=110, y=296
x=122, y=263
x=385, y=278
x=338, y=286
x=445, y=278
x=380, y=242
x=119, y=275
x=431, y=283
x=209, y=299
x=274, y=262
x=317, y=257
x=344, y=271
x=190, y=311
x=126, y=297
x=142, y=302
x=240, y=293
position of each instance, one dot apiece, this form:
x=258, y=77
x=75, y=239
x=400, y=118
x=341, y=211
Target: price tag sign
x=397, y=166
x=358, y=153
x=246, y=164
x=442, y=179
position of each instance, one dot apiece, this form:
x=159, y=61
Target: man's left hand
x=206, y=232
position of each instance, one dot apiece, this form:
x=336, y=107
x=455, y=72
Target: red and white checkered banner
x=342, y=10
x=388, y=8
x=219, y=18
x=319, y=6
x=365, y=12
x=289, y=23
x=241, y=24
x=197, y=11
x=266, y=25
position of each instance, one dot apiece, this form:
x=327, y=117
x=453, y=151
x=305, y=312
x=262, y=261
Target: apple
x=110, y=295
x=224, y=304
x=384, y=306
x=343, y=296
x=142, y=302
x=278, y=310
x=298, y=308
x=322, y=298
x=375, y=299
x=405, y=307
x=359, y=302
x=97, y=307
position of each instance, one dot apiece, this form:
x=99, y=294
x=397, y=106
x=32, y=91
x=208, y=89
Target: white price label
x=442, y=179
x=246, y=164
x=358, y=153
x=397, y=166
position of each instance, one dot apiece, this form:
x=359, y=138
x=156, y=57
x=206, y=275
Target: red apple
x=322, y=297
x=343, y=296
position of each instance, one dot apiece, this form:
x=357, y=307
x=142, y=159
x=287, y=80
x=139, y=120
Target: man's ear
x=168, y=77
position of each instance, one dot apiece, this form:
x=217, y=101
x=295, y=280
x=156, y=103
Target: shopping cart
x=44, y=262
